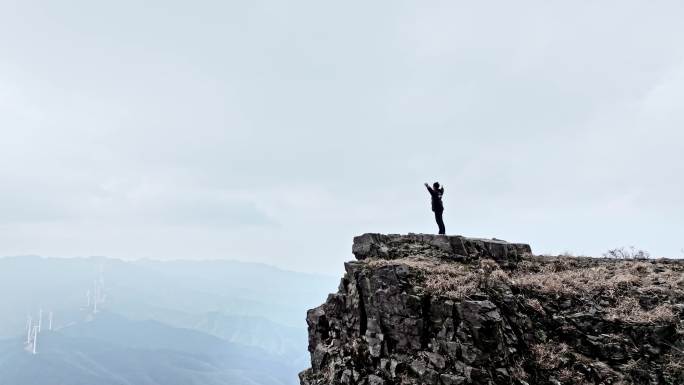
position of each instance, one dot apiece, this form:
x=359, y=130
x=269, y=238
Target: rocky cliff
x=430, y=309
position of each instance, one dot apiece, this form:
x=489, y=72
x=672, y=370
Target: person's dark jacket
x=436, y=194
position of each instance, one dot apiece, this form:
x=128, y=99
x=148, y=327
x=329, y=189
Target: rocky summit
x=450, y=310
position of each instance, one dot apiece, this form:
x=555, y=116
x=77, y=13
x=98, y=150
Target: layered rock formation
x=430, y=309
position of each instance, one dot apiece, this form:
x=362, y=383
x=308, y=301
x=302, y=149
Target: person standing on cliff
x=436, y=193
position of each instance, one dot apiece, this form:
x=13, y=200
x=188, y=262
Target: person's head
x=435, y=185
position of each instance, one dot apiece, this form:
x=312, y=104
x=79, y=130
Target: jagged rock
x=450, y=379
x=444, y=246
x=449, y=310
x=375, y=380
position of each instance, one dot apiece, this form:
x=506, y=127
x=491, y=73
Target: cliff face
x=430, y=309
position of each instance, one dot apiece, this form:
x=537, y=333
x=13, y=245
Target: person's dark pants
x=440, y=221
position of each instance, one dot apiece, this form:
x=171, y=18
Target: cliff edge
x=432, y=309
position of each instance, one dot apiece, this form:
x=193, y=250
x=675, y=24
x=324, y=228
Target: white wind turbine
x=35, y=339
x=97, y=298
x=29, y=324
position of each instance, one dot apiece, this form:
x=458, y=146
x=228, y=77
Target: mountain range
x=175, y=322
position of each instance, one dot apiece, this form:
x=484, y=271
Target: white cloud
x=276, y=131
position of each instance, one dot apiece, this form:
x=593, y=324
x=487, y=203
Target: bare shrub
x=627, y=253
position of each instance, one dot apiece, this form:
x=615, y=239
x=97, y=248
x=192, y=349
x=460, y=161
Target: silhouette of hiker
x=436, y=193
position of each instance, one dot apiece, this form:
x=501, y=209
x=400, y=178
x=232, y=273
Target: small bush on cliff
x=627, y=253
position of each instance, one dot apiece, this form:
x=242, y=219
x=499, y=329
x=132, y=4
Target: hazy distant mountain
x=208, y=315
x=226, y=286
x=182, y=291
x=112, y=350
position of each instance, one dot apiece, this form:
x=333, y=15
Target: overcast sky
x=274, y=131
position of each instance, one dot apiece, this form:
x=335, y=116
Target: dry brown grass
x=674, y=366
x=453, y=287
x=453, y=280
x=518, y=371
x=628, y=309
x=589, y=280
x=548, y=356
x=571, y=377
x=535, y=304
x=621, y=282
x=551, y=279
x=485, y=276
x=424, y=265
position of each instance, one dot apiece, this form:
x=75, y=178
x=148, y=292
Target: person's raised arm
x=427, y=186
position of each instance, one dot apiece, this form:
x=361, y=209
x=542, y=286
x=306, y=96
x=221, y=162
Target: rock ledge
x=454, y=247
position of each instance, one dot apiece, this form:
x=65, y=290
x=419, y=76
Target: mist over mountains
x=175, y=322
